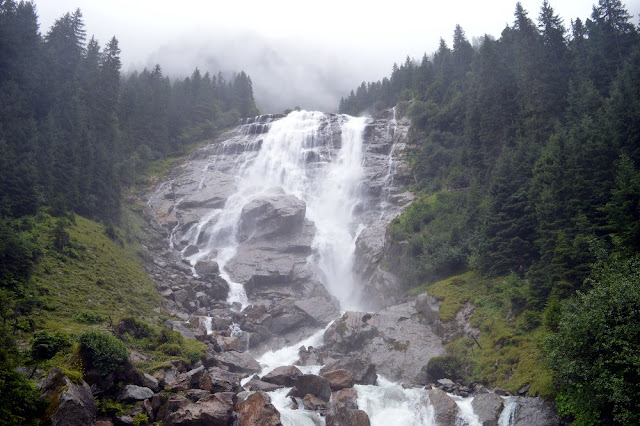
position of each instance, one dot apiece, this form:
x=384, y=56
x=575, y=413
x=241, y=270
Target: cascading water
x=329, y=188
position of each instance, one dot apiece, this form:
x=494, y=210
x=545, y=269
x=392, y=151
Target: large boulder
x=314, y=385
x=364, y=371
x=488, y=406
x=133, y=393
x=255, y=384
x=319, y=309
x=186, y=381
x=163, y=404
x=340, y=379
x=68, y=403
x=257, y=410
x=216, y=380
x=283, y=376
x=214, y=410
x=347, y=398
x=347, y=417
x=535, y=411
x=445, y=410
x=239, y=362
x=271, y=216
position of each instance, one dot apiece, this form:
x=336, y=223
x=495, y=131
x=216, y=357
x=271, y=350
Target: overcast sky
x=296, y=52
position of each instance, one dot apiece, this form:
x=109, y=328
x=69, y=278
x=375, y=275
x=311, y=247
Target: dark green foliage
x=444, y=367
x=20, y=402
x=595, y=353
x=46, y=344
x=17, y=255
x=102, y=351
x=73, y=131
x=135, y=328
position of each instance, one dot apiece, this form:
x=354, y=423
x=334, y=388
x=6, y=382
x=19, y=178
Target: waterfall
x=328, y=184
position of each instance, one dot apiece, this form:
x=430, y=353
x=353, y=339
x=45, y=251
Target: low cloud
x=284, y=74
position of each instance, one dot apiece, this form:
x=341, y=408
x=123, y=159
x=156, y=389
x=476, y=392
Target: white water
x=329, y=188
x=392, y=130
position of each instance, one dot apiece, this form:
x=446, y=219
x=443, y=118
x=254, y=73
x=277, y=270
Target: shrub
x=89, y=318
x=46, y=344
x=172, y=349
x=136, y=328
x=444, y=367
x=102, y=351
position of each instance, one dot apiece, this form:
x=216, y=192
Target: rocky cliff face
x=247, y=210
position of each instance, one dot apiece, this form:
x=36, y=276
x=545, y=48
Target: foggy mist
x=284, y=74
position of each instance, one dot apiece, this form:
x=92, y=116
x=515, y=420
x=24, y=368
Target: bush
x=46, y=344
x=89, y=318
x=444, y=367
x=172, y=349
x=102, y=351
x=136, y=328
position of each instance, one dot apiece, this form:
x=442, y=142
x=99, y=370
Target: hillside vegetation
x=525, y=156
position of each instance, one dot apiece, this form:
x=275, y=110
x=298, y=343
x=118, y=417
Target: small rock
x=312, y=402
x=340, y=379
x=132, y=393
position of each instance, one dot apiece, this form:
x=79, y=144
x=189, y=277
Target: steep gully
x=274, y=242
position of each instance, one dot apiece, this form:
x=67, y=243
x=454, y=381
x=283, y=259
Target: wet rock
x=218, y=380
x=124, y=420
x=444, y=407
x=535, y=411
x=487, y=407
x=206, y=268
x=347, y=398
x=257, y=410
x=68, y=403
x=340, y=379
x=238, y=362
x=133, y=393
x=347, y=417
x=319, y=309
x=186, y=381
x=210, y=410
x=255, y=384
x=181, y=327
x=396, y=339
x=428, y=307
x=271, y=216
x=312, y=402
x=314, y=385
x=364, y=371
x=164, y=404
x=150, y=382
x=284, y=376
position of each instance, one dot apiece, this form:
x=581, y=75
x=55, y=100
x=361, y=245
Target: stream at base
x=386, y=403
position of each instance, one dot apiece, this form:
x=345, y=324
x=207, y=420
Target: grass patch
x=510, y=353
x=101, y=281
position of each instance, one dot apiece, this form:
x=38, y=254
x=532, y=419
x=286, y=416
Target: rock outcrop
x=68, y=403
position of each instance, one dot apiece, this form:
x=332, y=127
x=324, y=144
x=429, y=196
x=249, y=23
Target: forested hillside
x=525, y=151
x=74, y=134
x=75, y=130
